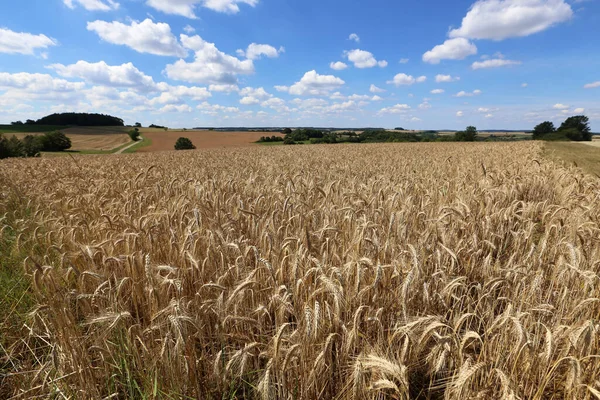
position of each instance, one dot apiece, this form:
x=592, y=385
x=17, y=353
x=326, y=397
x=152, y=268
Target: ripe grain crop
x=401, y=271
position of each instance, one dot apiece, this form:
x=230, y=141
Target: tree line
x=32, y=146
x=575, y=128
x=77, y=119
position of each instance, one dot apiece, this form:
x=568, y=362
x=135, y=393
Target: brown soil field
x=165, y=140
x=84, y=138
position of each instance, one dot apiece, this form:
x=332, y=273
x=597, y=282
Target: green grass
x=580, y=155
x=142, y=143
x=30, y=128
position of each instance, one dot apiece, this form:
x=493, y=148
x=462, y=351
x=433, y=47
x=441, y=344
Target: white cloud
x=354, y=36
x=176, y=94
x=93, y=5
x=186, y=8
x=462, y=93
x=37, y=83
x=451, y=49
x=494, y=63
x=100, y=73
x=524, y=85
x=223, y=88
x=483, y=110
x=397, y=109
x=314, y=84
x=406, y=80
x=437, y=91
x=281, y=88
x=259, y=93
x=275, y=103
x=364, y=59
x=143, y=37
x=375, y=89
x=338, y=66
x=23, y=43
x=579, y=110
x=404, y=60
x=415, y=119
x=249, y=100
x=189, y=29
x=560, y=106
x=489, y=116
x=255, y=51
x=176, y=108
x=502, y=19
x=216, y=107
x=592, y=85
x=376, y=98
x=209, y=66
x=446, y=78
x=460, y=113
x=424, y=106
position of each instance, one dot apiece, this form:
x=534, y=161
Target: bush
x=184, y=143
x=134, y=134
x=288, y=140
x=55, y=141
x=32, y=146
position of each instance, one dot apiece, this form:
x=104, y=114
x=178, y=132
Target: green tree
x=55, y=141
x=542, y=129
x=184, y=143
x=287, y=131
x=138, y=125
x=32, y=146
x=468, y=135
x=576, y=128
x=134, y=134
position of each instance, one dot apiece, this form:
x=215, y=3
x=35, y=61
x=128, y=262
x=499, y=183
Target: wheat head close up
x=387, y=271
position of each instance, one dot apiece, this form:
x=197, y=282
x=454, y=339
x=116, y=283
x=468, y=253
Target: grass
x=142, y=143
x=580, y=155
x=406, y=271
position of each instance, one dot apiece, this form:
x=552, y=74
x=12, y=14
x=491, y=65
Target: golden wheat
x=379, y=271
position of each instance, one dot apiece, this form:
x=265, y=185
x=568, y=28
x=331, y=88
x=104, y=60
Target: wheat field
x=385, y=271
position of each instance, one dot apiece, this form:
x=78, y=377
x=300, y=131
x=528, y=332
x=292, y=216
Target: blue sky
x=434, y=64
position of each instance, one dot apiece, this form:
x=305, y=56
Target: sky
x=432, y=64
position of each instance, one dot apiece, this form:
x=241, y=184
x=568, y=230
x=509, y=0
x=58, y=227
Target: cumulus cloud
x=256, y=51
x=446, y=78
x=560, y=106
x=354, y=36
x=403, y=60
x=424, y=106
x=592, y=85
x=23, y=43
x=502, y=19
x=209, y=66
x=376, y=98
x=396, y=109
x=462, y=93
x=223, y=88
x=437, y=91
x=460, y=113
x=189, y=29
x=37, y=83
x=338, y=66
x=375, y=89
x=314, y=84
x=93, y=5
x=143, y=37
x=406, y=80
x=489, y=116
x=176, y=108
x=252, y=95
x=186, y=8
x=579, y=110
x=364, y=59
x=282, y=88
x=451, y=49
x=494, y=63
x=100, y=73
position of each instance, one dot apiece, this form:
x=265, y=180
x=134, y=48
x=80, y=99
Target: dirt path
x=129, y=146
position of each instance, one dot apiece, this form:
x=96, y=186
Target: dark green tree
x=576, y=128
x=468, y=135
x=55, y=141
x=134, y=134
x=287, y=131
x=184, y=143
x=542, y=129
x=138, y=125
x=32, y=146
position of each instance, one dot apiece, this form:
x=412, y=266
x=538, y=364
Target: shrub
x=184, y=143
x=288, y=140
x=134, y=134
x=32, y=146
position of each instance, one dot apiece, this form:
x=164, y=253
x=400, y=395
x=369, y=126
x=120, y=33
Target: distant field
x=29, y=128
x=165, y=140
x=92, y=138
x=585, y=155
